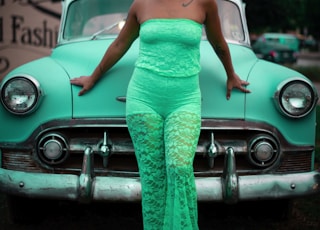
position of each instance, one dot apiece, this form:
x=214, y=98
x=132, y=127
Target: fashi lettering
x=43, y=35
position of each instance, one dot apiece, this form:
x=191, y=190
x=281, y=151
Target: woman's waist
x=171, y=64
x=181, y=70
x=149, y=80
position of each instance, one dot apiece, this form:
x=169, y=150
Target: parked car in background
x=277, y=47
x=55, y=145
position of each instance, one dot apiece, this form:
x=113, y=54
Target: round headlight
x=21, y=95
x=296, y=98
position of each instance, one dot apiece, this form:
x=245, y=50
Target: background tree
x=312, y=17
x=282, y=16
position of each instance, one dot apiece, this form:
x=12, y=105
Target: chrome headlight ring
x=263, y=151
x=53, y=149
x=21, y=94
x=295, y=98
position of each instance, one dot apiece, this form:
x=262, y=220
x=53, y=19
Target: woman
x=163, y=100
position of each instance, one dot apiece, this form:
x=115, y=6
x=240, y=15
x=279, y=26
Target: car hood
x=107, y=98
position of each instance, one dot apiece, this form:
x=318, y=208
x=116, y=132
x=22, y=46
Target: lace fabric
x=163, y=116
x=170, y=47
x=165, y=151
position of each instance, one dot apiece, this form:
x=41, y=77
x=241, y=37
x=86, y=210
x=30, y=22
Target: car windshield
x=93, y=19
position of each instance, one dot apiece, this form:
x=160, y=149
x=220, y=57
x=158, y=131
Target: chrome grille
x=122, y=159
x=296, y=162
x=19, y=161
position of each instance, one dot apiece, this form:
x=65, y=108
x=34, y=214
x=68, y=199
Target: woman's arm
x=216, y=39
x=114, y=53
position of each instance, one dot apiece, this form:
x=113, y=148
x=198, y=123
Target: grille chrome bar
x=86, y=176
x=230, y=183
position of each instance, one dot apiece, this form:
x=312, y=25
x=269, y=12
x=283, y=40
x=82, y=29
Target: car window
x=96, y=18
x=277, y=40
x=87, y=18
x=109, y=24
x=231, y=22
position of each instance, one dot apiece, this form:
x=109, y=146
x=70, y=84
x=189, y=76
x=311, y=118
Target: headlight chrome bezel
x=263, y=151
x=295, y=103
x=27, y=104
x=53, y=149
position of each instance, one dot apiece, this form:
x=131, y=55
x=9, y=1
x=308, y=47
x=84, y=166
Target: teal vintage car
x=55, y=145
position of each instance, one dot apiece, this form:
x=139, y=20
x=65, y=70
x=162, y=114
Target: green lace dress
x=163, y=117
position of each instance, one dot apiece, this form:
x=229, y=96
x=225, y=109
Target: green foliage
x=284, y=15
x=313, y=17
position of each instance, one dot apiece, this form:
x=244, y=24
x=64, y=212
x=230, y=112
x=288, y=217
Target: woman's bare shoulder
x=138, y=3
x=209, y=7
x=207, y=2
x=138, y=6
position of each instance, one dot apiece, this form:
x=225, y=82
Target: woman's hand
x=234, y=81
x=85, y=81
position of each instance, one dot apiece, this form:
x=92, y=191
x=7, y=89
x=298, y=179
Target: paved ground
x=247, y=216
x=310, y=59
x=310, y=55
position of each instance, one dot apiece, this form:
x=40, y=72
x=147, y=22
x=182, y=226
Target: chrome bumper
x=230, y=188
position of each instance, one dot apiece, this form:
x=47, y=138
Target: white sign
x=28, y=31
